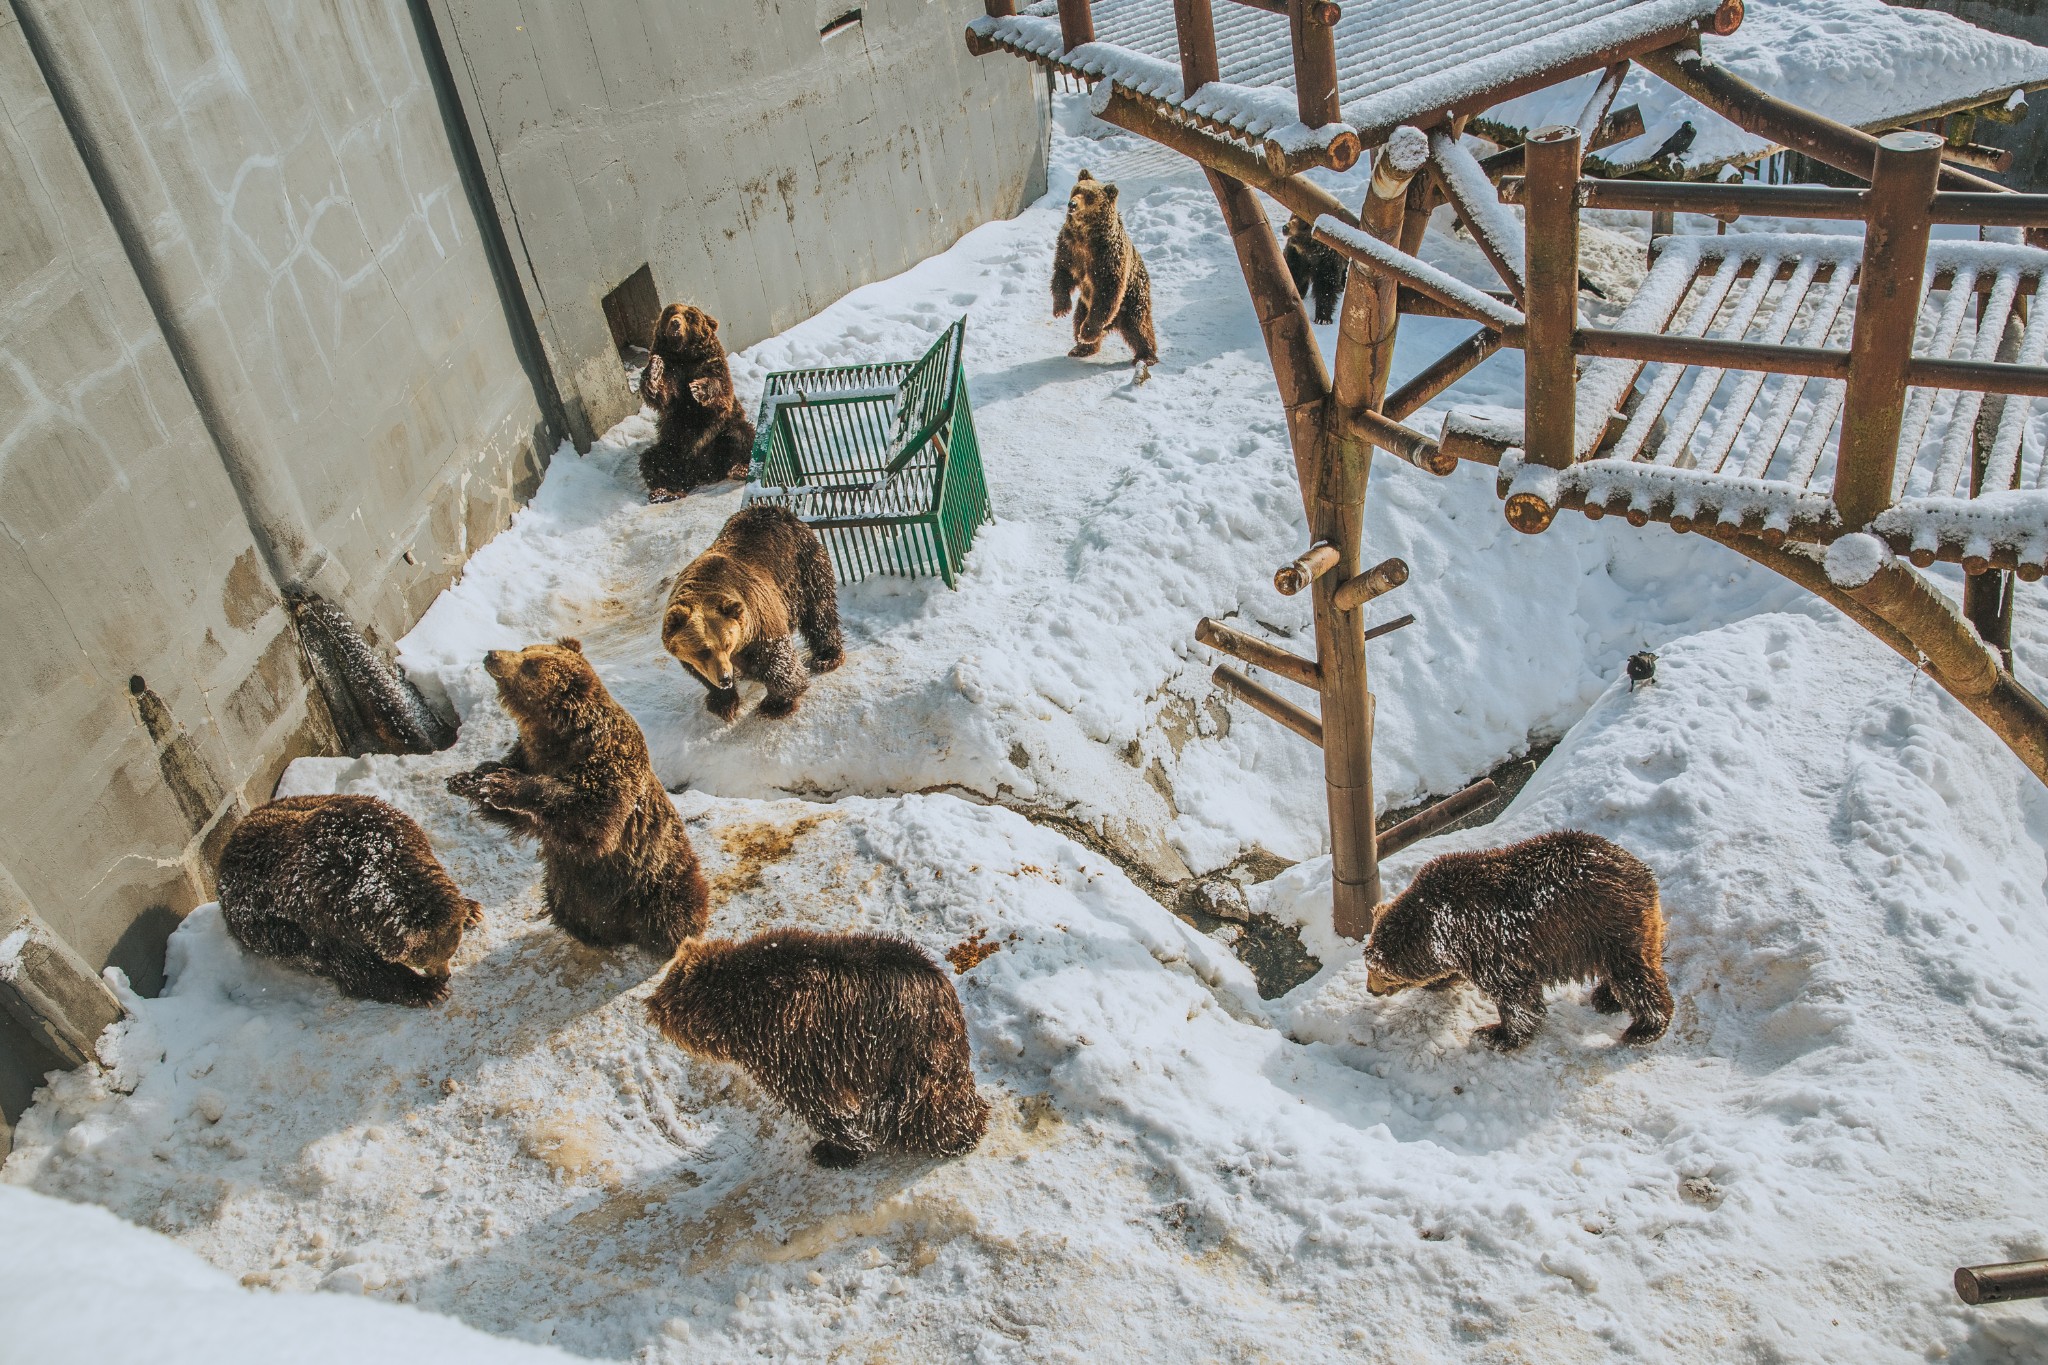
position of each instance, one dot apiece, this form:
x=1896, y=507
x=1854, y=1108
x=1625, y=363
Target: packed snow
x=1848, y=1104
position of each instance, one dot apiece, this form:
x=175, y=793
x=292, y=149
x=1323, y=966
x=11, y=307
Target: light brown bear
x=1097, y=273
x=703, y=432
x=619, y=866
x=860, y=1034
x=732, y=609
x=1559, y=907
x=346, y=887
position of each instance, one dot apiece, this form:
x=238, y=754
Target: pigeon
x=1642, y=668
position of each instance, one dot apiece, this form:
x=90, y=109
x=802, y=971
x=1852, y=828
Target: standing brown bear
x=703, y=434
x=1317, y=270
x=860, y=1034
x=620, y=868
x=346, y=887
x=1096, y=272
x=732, y=608
x=1559, y=907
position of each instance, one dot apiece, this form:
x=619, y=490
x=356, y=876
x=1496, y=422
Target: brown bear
x=346, y=887
x=1317, y=270
x=860, y=1034
x=1096, y=272
x=1559, y=907
x=620, y=868
x=732, y=608
x=703, y=434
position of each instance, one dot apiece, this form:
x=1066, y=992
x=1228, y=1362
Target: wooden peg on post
x=1887, y=309
x=1383, y=577
x=1312, y=26
x=1268, y=703
x=1077, y=24
x=1448, y=811
x=1292, y=578
x=1258, y=653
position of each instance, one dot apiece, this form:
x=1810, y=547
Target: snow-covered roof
x=1398, y=61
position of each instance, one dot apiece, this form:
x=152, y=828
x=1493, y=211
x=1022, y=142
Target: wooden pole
x=1259, y=654
x=1292, y=577
x=1552, y=280
x=1389, y=627
x=1077, y=24
x=1194, y=23
x=1366, y=331
x=1887, y=308
x=1380, y=579
x=1440, y=374
x=1448, y=811
x=999, y=9
x=1309, y=24
x=1978, y=1284
x=1268, y=703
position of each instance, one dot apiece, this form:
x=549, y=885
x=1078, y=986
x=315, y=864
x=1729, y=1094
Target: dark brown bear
x=1317, y=270
x=1097, y=273
x=1559, y=907
x=731, y=611
x=347, y=887
x=860, y=1034
x=703, y=435
x=620, y=868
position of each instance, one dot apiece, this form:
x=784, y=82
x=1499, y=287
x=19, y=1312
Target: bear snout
x=1378, y=982
x=495, y=662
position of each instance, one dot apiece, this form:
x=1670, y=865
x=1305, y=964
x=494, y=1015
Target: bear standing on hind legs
x=703, y=434
x=731, y=611
x=1559, y=907
x=1097, y=273
x=1317, y=270
x=619, y=866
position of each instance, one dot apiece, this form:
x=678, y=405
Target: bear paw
x=1061, y=307
x=661, y=495
x=1645, y=1031
x=834, y=1157
x=472, y=914
x=704, y=390
x=743, y=470
x=1603, y=999
x=429, y=990
x=724, y=703
x=825, y=663
x=1085, y=348
x=499, y=789
x=1498, y=1038
x=776, y=707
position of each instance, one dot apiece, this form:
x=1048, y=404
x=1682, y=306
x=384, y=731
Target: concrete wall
x=301, y=294
x=760, y=169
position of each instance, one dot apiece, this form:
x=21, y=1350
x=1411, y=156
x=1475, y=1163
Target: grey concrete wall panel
x=760, y=168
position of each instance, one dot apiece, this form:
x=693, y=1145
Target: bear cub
x=346, y=887
x=1559, y=907
x=1097, y=273
x=731, y=611
x=619, y=866
x=703, y=435
x=1318, y=270
x=860, y=1034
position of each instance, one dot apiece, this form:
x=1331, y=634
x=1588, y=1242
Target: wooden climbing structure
x=1840, y=409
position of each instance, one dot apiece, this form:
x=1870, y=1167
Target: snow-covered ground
x=1848, y=1104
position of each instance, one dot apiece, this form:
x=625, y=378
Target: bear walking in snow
x=620, y=868
x=860, y=1034
x=1559, y=907
x=1318, y=271
x=703, y=433
x=1097, y=273
x=732, y=609
x=346, y=887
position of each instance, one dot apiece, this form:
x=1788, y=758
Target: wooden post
x=1315, y=62
x=1077, y=24
x=1194, y=22
x=1551, y=277
x=1887, y=308
x=999, y=9
x=1980, y=1284
x=1988, y=596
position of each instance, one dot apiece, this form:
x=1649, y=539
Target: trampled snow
x=1848, y=1104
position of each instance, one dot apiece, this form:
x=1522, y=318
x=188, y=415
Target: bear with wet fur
x=860, y=1034
x=618, y=864
x=346, y=887
x=733, y=607
x=1318, y=271
x=1560, y=907
x=1097, y=273
x=703, y=435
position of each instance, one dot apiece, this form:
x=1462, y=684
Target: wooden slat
x=1268, y=703
x=1259, y=654
x=1728, y=355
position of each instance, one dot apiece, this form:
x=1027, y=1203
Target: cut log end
x=1922, y=558
x=1530, y=514
x=1976, y=565
x=1382, y=578
x=2030, y=573
x=1727, y=18
x=1293, y=578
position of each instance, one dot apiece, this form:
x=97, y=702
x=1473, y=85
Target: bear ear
x=1085, y=174
x=1109, y=193
x=710, y=323
x=570, y=642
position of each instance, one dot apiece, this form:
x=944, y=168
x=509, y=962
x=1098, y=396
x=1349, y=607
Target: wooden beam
x=1887, y=310
x=1194, y=25
x=1551, y=381
x=1978, y=376
x=1292, y=577
x=1444, y=813
x=1077, y=24
x=1268, y=703
x=1389, y=627
x=1380, y=579
x=1815, y=361
x=1259, y=654
x=1309, y=26
x=1446, y=370
x=1403, y=443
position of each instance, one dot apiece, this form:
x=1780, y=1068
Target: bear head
x=1300, y=231
x=429, y=942
x=546, y=688
x=1400, y=954
x=1090, y=197
x=684, y=328
x=705, y=631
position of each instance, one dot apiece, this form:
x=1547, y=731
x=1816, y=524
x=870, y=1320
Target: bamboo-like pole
x=1887, y=308
x=2002, y=1283
x=1552, y=274
x=1297, y=574
x=1194, y=24
x=1448, y=811
x=1219, y=154
x=1389, y=627
x=1403, y=443
x=1440, y=374
x=1310, y=26
x=1077, y=24
x=999, y=9
x=1366, y=331
x=1269, y=704
x=1380, y=579
x=1259, y=654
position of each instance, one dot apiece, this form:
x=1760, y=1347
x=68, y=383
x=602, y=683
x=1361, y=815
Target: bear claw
x=774, y=707
x=834, y=1157
x=1498, y=1038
